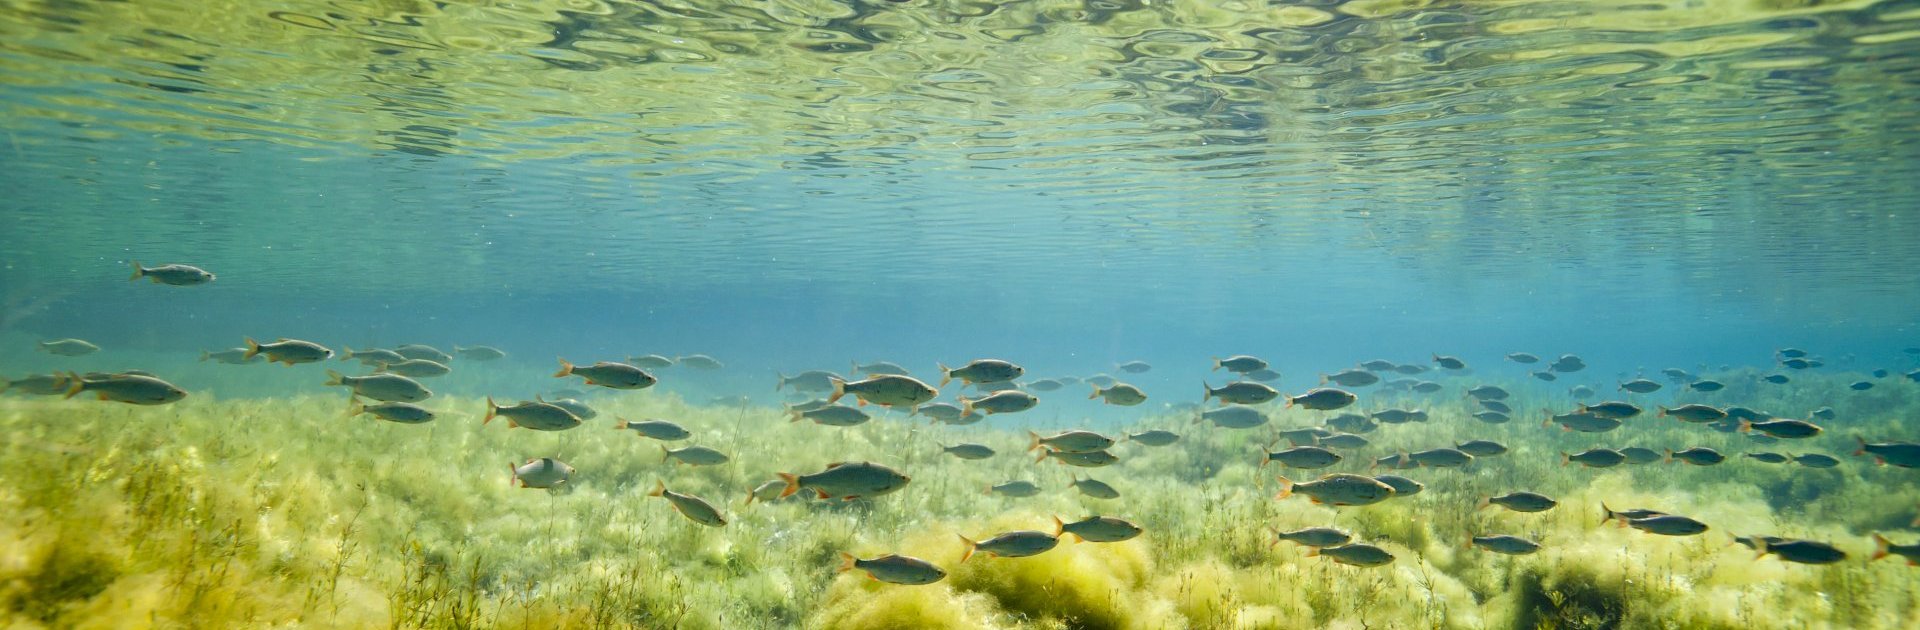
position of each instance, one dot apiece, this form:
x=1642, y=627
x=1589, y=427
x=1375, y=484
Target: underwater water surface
x=1650, y=263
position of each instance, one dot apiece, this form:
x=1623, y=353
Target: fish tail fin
x=1484, y=502
x=513, y=474
x=839, y=389
x=355, y=407
x=565, y=369
x=1059, y=526
x=346, y=353
x=138, y=272
x=493, y=409
x=1289, y=404
x=1880, y=547
x=1286, y=488
x=1606, y=513
x=620, y=424
x=1042, y=457
x=966, y=406
x=1746, y=426
x=1216, y=364
x=1863, y=446
x=204, y=355
x=1664, y=411
x=782, y=383
x=659, y=488
x=665, y=454
x=1036, y=440
x=76, y=385
x=793, y=415
x=846, y=562
x=1203, y=384
x=1760, y=545
x=1565, y=458
x=1095, y=394
x=253, y=348
x=970, y=547
x=335, y=378
x=946, y=374
x=793, y=484
x=1669, y=458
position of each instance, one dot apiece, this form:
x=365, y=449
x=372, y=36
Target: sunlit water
x=790, y=185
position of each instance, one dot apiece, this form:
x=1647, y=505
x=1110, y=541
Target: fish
x=1070, y=441
x=1048, y=385
x=1352, y=423
x=1240, y=393
x=878, y=368
x=1306, y=435
x=1777, y=379
x=1355, y=554
x=230, y=356
x=1441, y=458
x=694, y=508
x=1582, y=422
x=1488, y=392
x=1823, y=413
x=890, y=390
x=608, y=374
x=1232, y=417
x=1400, y=416
x=1797, y=363
x=968, y=451
x=1377, y=365
x=400, y=412
x=540, y=472
x=657, y=429
x=423, y=352
x=1239, y=363
x=1306, y=457
x=1481, y=448
x=1491, y=417
x=1698, y=456
x=132, y=389
x=650, y=362
x=1135, y=367
x=1544, y=375
x=1402, y=486
x=1449, y=363
x=1322, y=399
x=1612, y=409
x=1881, y=373
x=1007, y=401
x=1099, y=529
x=1094, y=488
x=176, y=275
x=808, y=381
x=1521, y=502
x=38, y=384
x=830, y=415
x=1409, y=369
x=1815, y=460
x=1426, y=387
x=1640, y=386
x=372, y=357
x=1700, y=414
x=946, y=413
x=536, y=415
x=1120, y=394
x=1785, y=428
x=1594, y=458
x=1860, y=386
x=981, y=371
x=1154, y=437
x=1350, y=378
x=1093, y=459
x=1396, y=461
x=1312, y=537
x=1504, y=544
x=1015, y=544
x=1099, y=380
x=695, y=455
x=1790, y=353
x=1678, y=375
x=1610, y=514
x=288, y=351
x=766, y=491
x=1338, y=489
x=1018, y=488
x=1797, y=551
x=416, y=368
x=1523, y=358
x=699, y=362
x=479, y=353
x=1567, y=364
x=1267, y=375
x=1496, y=406
x=894, y=569
x=1637, y=455
x=1580, y=391
x=68, y=347
x=1883, y=548
x=387, y=387
x=1769, y=458
x=573, y=406
x=1346, y=441
x=1902, y=454
x=1668, y=525
x=1706, y=386
x=847, y=481
x=1743, y=413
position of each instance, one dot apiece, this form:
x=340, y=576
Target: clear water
x=787, y=185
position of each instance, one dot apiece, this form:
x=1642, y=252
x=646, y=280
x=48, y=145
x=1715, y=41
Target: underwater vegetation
x=212, y=512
